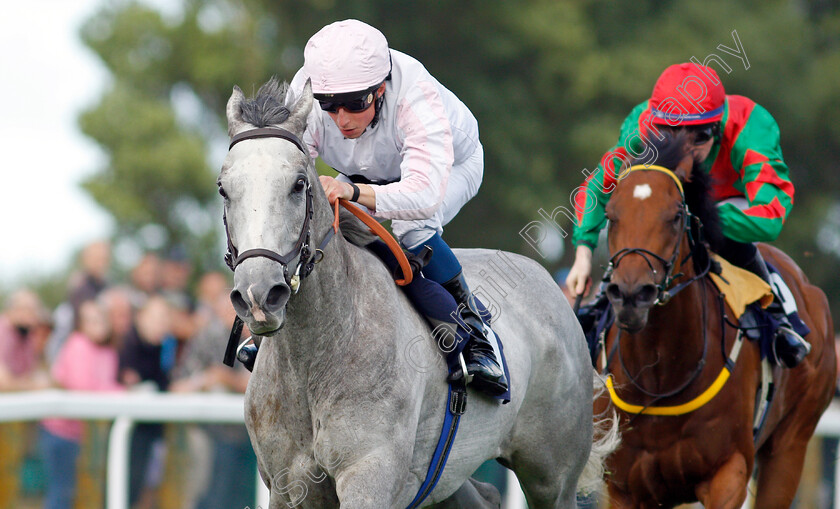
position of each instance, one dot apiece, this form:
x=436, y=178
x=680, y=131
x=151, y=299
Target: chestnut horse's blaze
x=671, y=354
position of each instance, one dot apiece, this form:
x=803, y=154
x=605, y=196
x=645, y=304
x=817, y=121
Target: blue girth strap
x=456, y=405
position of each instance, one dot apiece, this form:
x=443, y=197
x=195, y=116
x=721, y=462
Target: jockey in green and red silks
x=735, y=140
x=745, y=161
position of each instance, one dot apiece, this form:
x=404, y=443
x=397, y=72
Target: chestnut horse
x=681, y=440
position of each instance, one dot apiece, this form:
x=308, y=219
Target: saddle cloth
x=740, y=287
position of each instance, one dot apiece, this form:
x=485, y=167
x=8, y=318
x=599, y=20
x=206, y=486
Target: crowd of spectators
x=149, y=333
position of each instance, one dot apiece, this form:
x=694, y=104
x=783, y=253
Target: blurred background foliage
x=549, y=81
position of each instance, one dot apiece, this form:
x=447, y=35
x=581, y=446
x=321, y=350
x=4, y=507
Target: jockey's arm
x=591, y=204
x=765, y=179
x=339, y=189
x=427, y=151
x=590, y=220
x=591, y=201
x=579, y=275
x=427, y=160
x=336, y=188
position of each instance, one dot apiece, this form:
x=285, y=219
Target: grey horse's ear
x=234, y=112
x=302, y=107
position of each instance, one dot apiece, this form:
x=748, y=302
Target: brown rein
x=380, y=232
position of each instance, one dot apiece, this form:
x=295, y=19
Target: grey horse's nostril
x=277, y=296
x=239, y=303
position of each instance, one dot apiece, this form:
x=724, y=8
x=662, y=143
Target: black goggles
x=702, y=133
x=354, y=102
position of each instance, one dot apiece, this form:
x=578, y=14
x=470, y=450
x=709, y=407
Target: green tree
x=549, y=81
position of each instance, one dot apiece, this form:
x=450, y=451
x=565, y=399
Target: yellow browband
x=690, y=406
x=660, y=169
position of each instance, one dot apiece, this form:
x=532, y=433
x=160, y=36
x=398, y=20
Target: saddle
x=740, y=287
x=749, y=297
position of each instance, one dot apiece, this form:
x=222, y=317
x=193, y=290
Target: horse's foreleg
x=779, y=471
x=472, y=495
x=370, y=482
x=728, y=488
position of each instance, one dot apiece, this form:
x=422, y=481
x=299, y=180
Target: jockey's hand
x=335, y=189
x=578, y=281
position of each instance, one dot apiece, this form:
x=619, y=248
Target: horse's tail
x=605, y=440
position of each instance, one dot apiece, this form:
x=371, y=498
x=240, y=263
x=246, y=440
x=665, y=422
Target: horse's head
x=649, y=222
x=268, y=183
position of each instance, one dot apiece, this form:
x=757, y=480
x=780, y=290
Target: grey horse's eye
x=222, y=192
x=300, y=185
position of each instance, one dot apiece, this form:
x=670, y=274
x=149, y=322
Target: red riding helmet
x=687, y=94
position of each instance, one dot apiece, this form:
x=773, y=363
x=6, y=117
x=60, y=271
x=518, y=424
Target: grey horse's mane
x=355, y=231
x=267, y=107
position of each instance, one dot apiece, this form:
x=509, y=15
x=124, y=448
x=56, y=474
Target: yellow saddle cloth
x=740, y=287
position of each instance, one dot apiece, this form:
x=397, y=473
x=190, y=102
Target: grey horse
x=346, y=401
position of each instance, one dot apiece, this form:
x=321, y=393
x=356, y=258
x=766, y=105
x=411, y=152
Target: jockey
x=408, y=150
x=736, y=141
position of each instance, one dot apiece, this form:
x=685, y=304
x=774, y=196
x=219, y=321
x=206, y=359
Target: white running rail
x=128, y=408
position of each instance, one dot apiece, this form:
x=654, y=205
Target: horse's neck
x=321, y=314
x=342, y=338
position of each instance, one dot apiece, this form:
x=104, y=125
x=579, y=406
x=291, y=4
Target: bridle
x=664, y=294
x=301, y=251
x=306, y=259
x=663, y=291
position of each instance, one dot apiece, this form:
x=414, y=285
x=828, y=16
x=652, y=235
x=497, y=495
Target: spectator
x=95, y=261
x=145, y=279
x=87, y=362
x=144, y=356
x=146, y=360
x=201, y=368
x=117, y=303
x=24, y=328
x=234, y=462
x=175, y=275
x=210, y=287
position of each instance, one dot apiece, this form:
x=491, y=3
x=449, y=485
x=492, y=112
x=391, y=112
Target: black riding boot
x=247, y=354
x=479, y=355
x=788, y=346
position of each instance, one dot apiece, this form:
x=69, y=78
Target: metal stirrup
x=467, y=376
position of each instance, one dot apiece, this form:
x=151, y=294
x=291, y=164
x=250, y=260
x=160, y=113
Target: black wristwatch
x=356, y=192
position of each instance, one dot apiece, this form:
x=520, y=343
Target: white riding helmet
x=346, y=56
